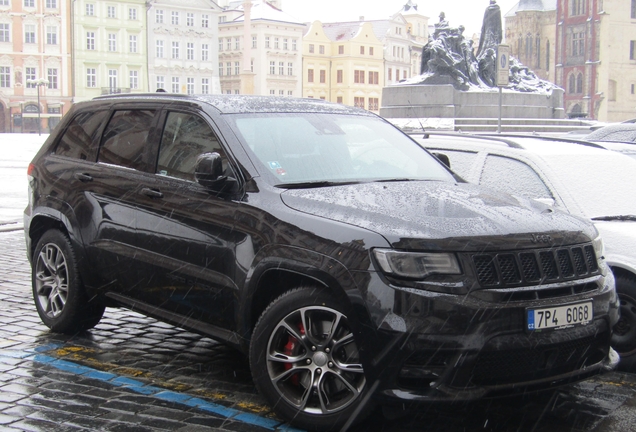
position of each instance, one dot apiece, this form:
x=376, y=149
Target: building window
x=374, y=77
x=341, y=49
x=370, y=51
x=358, y=102
x=228, y=68
x=572, y=84
x=5, y=76
x=285, y=44
x=266, y=41
x=29, y=3
x=91, y=77
x=374, y=104
x=90, y=9
x=190, y=86
x=4, y=33
x=161, y=82
x=237, y=68
x=579, y=83
x=175, y=20
x=362, y=50
x=276, y=45
x=175, y=85
x=220, y=44
x=339, y=99
x=205, y=21
x=578, y=44
x=112, y=42
x=228, y=44
x=159, y=46
x=321, y=49
x=29, y=33
x=577, y=7
x=405, y=74
x=339, y=76
x=254, y=41
x=538, y=49
x=237, y=43
x=111, y=13
x=190, y=23
x=220, y=69
x=222, y=19
x=290, y=69
x=175, y=50
x=390, y=74
x=323, y=76
x=204, y=52
x=311, y=48
x=358, y=76
x=159, y=16
x=205, y=85
x=294, y=48
x=633, y=9
x=632, y=50
x=281, y=68
x=30, y=74
x=134, y=79
x=190, y=50
x=528, y=53
x=310, y=75
x=547, y=56
x=252, y=65
x=132, y=14
x=51, y=76
x=90, y=41
x=132, y=43
x=290, y=93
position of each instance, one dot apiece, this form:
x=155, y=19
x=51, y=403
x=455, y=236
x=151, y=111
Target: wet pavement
x=132, y=373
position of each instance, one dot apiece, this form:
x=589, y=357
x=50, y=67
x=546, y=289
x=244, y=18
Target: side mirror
x=208, y=172
x=443, y=159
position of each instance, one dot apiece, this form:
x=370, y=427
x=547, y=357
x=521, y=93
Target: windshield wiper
x=630, y=218
x=315, y=184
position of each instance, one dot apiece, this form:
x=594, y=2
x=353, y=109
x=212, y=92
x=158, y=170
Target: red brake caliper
x=291, y=349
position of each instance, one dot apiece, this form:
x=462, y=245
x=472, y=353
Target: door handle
x=152, y=193
x=83, y=177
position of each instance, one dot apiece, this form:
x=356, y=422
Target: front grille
x=508, y=269
x=509, y=366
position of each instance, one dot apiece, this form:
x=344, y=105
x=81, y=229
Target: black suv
x=321, y=241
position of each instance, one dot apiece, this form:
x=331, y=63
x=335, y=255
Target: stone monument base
x=444, y=101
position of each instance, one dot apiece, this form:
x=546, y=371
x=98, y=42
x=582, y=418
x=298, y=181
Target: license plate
x=560, y=316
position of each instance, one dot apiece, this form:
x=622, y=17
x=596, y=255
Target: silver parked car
x=584, y=180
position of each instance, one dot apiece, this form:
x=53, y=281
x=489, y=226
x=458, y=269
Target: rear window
x=125, y=138
x=78, y=138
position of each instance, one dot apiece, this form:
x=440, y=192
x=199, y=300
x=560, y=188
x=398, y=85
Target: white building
x=182, y=49
x=266, y=58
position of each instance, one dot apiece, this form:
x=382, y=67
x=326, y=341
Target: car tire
x=624, y=337
x=307, y=371
x=58, y=291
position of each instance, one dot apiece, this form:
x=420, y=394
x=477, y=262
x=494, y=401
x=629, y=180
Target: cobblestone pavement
x=132, y=373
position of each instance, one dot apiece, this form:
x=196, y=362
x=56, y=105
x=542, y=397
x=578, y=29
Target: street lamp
x=39, y=83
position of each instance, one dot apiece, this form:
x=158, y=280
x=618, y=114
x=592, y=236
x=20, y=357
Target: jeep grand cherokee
x=343, y=259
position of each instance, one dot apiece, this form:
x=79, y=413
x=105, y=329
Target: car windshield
x=321, y=149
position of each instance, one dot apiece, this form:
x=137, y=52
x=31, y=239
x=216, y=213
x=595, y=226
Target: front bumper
x=438, y=347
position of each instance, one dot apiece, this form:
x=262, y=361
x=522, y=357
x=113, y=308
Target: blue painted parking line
x=37, y=355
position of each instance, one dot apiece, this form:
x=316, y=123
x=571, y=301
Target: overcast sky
x=469, y=13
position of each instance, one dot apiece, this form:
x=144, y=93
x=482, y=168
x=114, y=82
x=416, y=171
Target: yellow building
x=345, y=66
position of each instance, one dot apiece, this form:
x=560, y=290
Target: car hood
x=619, y=238
x=420, y=215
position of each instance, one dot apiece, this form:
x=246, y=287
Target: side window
x=461, y=161
x=185, y=137
x=78, y=138
x=125, y=138
x=513, y=177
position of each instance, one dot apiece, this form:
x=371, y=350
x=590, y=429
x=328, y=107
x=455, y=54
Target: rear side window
x=513, y=177
x=125, y=138
x=462, y=162
x=185, y=137
x=79, y=136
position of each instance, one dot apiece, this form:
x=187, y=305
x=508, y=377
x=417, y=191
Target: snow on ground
x=16, y=151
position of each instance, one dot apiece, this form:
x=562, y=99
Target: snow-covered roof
x=343, y=31
x=532, y=5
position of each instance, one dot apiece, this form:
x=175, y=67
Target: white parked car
x=584, y=180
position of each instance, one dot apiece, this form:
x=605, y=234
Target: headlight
x=599, y=248
x=416, y=265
